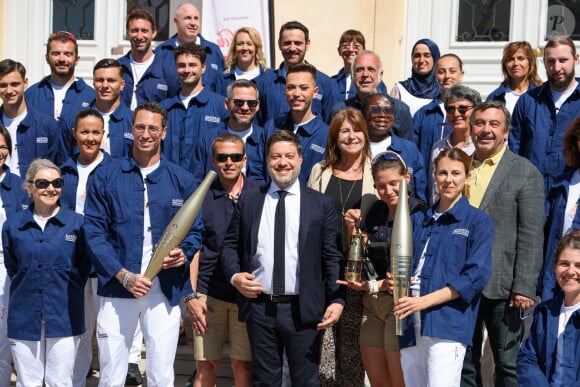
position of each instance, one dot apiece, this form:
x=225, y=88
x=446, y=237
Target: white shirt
x=249, y=75
x=262, y=264
x=565, y=313
x=560, y=97
x=11, y=125
x=138, y=69
x=59, y=94
x=106, y=142
x=381, y=146
x=84, y=170
x=571, y=202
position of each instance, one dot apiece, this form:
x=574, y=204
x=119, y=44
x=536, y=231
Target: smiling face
x=367, y=73
x=12, y=87
x=567, y=270
x=245, y=49
x=422, y=59
x=228, y=169
x=448, y=73
x=189, y=69
x=61, y=58
x=4, y=152
x=380, y=117
x=108, y=84
x=242, y=115
x=559, y=62
x=459, y=121
x=293, y=46
x=140, y=34
x=88, y=134
x=300, y=91
x=187, y=22
x=450, y=177
x=348, y=50
x=45, y=199
x=351, y=139
x=148, y=132
x=488, y=132
x=284, y=163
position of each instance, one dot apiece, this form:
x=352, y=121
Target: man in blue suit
x=283, y=300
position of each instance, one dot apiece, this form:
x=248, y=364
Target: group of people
x=91, y=177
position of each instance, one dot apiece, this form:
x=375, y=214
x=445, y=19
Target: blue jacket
x=429, y=126
x=48, y=270
x=556, y=211
x=312, y=135
x=537, y=131
x=499, y=93
x=403, y=125
x=159, y=81
x=537, y=357
x=214, y=59
x=226, y=78
x=255, y=165
x=114, y=219
x=184, y=127
x=36, y=137
x=217, y=210
x=41, y=97
x=120, y=130
x=458, y=255
x=409, y=152
x=14, y=196
x=273, y=104
x=340, y=79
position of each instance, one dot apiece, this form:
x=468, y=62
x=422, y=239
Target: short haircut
x=227, y=137
x=140, y=13
x=88, y=113
x=7, y=139
x=352, y=36
x=108, y=63
x=570, y=240
x=558, y=40
x=455, y=154
x=152, y=107
x=190, y=48
x=462, y=92
x=35, y=166
x=63, y=37
x=571, y=138
x=8, y=65
x=283, y=136
x=302, y=68
x=452, y=55
x=366, y=52
x=493, y=105
x=241, y=83
x=295, y=25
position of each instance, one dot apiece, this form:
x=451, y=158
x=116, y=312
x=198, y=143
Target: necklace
x=344, y=202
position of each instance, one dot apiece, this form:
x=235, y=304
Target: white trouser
x=85, y=352
x=116, y=325
x=51, y=359
x=433, y=361
x=135, y=351
x=5, y=355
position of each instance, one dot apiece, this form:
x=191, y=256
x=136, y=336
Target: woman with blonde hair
x=246, y=59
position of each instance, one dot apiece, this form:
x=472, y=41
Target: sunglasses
x=388, y=155
x=252, y=103
x=66, y=34
x=43, y=183
x=223, y=157
x=375, y=109
x=461, y=109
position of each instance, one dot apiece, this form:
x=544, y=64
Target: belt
x=277, y=299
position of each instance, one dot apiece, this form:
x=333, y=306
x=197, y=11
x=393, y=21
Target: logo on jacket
x=212, y=119
x=317, y=148
x=461, y=231
x=42, y=140
x=70, y=238
x=177, y=202
x=161, y=86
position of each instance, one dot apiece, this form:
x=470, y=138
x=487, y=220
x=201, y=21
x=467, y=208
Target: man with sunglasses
x=129, y=204
x=242, y=103
x=60, y=93
x=212, y=301
x=194, y=109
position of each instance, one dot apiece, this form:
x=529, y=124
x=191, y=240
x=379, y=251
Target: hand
x=520, y=301
x=409, y=305
x=364, y=286
x=390, y=283
x=197, y=311
x=331, y=316
x=351, y=217
x=141, y=286
x=243, y=282
x=176, y=258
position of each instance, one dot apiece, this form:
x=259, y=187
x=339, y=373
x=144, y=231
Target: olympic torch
x=179, y=226
x=401, y=249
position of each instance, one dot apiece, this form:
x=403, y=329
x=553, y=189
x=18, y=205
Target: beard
x=562, y=85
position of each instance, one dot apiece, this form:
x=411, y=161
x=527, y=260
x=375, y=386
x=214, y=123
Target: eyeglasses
x=346, y=46
x=152, y=129
x=223, y=157
x=252, y=103
x=66, y=34
x=388, y=155
x=462, y=109
x=376, y=109
x=43, y=183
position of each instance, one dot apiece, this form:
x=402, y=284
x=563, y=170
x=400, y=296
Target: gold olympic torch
x=179, y=226
x=401, y=249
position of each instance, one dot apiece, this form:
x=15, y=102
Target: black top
x=346, y=194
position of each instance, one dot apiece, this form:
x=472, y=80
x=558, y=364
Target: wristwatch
x=190, y=297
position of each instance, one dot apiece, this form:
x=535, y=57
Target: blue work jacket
x=429, y=126
x=227, y=78
x=41, y=97
x=214, y=59
x=159, y=81
x=537, y=357
x=48, y=270
x=120, y=130
x=14, y=196
x=409, y=152
x=458, y=255
x=538, y=130
x=312, y=135
x=114, y=216
x=499, y=93
x=36, y=136
x=185, y=126
x=273, y=103
x=201, y=161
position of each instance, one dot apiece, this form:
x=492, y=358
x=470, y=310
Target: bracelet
x=128, y=279
x=190, y=297
x=373, y=287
